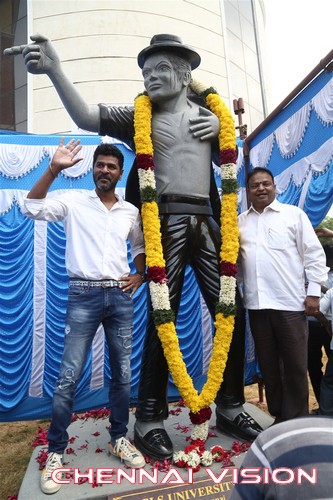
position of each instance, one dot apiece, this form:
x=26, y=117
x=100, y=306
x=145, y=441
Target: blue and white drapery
x=33, y=291
x=297, y=146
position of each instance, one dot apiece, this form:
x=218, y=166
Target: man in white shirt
x=97, y=224
x=277, y=247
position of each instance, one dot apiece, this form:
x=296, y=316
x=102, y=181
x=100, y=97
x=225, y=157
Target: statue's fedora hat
x=170, y=43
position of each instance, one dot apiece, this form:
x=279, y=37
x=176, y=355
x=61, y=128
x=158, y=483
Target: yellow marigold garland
x=225, y=311
x=152, y=235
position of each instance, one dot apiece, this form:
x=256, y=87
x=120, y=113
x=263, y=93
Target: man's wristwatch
x=143, y=275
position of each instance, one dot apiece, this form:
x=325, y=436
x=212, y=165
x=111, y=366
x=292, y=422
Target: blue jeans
x=87, y=308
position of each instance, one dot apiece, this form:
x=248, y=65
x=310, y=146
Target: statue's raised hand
x=39, y=56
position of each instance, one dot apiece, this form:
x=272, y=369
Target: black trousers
x=318, y=339
x=326, y=389
x=281, y=344
x=189, y=240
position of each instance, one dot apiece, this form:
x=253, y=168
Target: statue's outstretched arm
x=40, y=57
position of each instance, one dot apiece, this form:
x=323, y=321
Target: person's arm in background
x=324, y=232
x=324, y=321
x=326, y=309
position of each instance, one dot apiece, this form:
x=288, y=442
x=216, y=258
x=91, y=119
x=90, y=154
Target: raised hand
x=206, y=126
x=39, y=57
x=65, y=156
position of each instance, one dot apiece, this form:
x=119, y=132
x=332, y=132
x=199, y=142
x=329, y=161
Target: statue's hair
x=179, y=64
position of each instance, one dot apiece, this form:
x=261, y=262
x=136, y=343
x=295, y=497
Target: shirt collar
x=275, y=205
x=93, y=194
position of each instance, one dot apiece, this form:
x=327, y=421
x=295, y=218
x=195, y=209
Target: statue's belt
x=179, y=204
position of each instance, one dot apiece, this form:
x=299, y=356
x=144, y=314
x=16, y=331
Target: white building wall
x=98, y=42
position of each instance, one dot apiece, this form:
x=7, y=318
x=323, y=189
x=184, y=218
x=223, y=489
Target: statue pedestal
x=201, y=488
x=89, y=450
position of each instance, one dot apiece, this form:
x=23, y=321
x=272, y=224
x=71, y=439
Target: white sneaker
x=127, y=453
x=47, y=485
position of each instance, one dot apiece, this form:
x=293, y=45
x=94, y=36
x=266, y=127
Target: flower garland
x=162, y=314
x=195, y=455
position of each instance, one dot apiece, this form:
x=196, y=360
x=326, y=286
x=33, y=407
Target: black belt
x=179, y=204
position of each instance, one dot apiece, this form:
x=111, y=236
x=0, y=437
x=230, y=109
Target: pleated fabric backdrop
x=297, y=146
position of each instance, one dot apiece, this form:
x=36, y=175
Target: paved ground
x=92, y=435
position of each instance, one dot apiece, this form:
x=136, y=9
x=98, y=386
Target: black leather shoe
x=156, y=444
x=243, y=426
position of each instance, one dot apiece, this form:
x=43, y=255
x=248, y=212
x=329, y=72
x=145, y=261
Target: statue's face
x=160, y=78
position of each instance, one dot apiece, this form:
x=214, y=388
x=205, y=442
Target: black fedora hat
x=170, y=43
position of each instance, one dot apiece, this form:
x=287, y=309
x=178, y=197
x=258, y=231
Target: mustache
x=104, y=176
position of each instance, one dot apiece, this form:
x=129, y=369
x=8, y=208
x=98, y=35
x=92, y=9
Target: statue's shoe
x=243, y=426
x=156, y=444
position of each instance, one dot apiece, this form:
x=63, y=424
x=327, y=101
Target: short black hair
x=256, y=170
x=109, y=150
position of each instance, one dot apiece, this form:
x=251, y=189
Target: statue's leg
x=152, y=407
x=149, y=434
x=152, y=396
x=230, y=414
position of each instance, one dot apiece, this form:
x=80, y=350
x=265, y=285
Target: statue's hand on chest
x=192, y=125
x=205, y=126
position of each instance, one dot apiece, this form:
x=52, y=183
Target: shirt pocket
x=276, y=239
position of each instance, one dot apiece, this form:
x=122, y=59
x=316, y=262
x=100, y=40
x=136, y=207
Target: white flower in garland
x=198, y=86
x=227, y=289
x=207, y=458
x=146, y=179
x=200, y=431
x=229, y=171
x=180, y=456
x=159, y=294
x=193, y=459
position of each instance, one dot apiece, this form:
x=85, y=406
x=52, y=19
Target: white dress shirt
x=277, y=248
x=96, y=237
